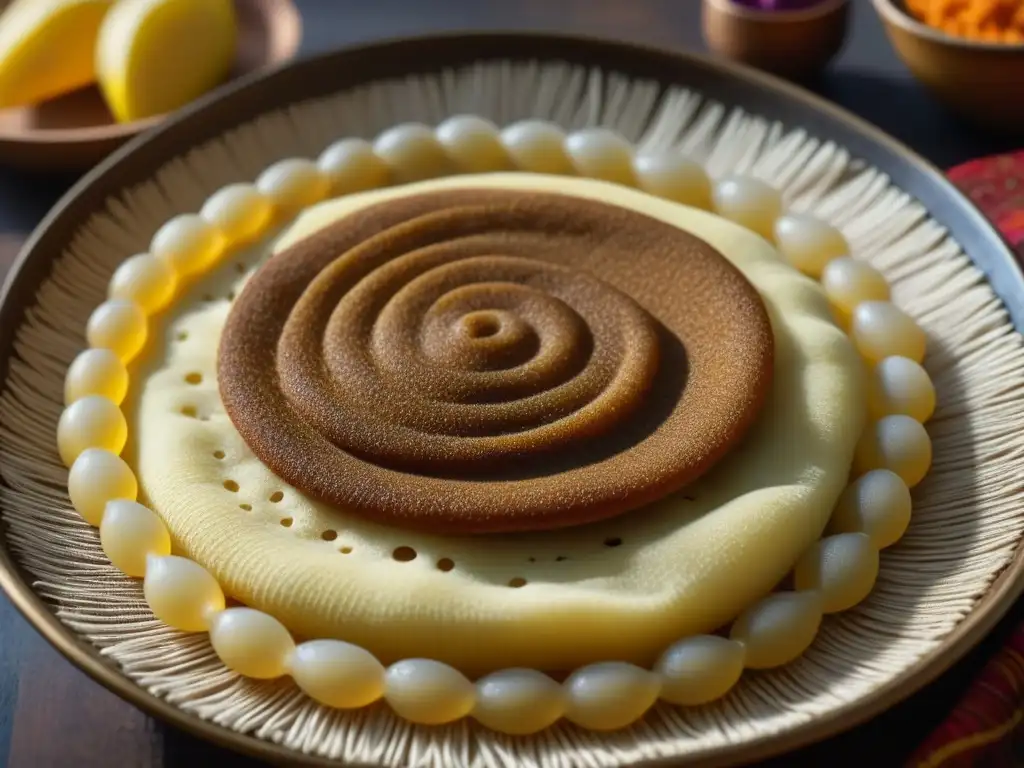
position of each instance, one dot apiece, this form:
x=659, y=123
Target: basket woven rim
x=330, y=72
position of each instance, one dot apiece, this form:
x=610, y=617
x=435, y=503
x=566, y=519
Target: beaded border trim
x=836, y=573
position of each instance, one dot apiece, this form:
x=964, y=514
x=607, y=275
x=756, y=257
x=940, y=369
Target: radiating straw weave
x=967, y=514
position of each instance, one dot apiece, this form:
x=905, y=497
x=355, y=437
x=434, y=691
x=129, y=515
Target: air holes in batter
x=181, y=335
x=276, y=496
x=218, y=455
x=230, y=296
x=246, y=507
x=561, y=558
x=404, y=554
x=193, y=378
x=240, y=268
x=329, y=535
x=287, y=522
x=445, y=564
x=615, y=541
x=346, y=550
x=231, y=485
x=190, y=411
x=517, y=582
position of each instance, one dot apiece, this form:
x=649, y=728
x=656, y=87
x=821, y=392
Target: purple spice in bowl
x=778, y=5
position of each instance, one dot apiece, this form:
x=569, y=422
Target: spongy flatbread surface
x=621, y=589
x=621, y=358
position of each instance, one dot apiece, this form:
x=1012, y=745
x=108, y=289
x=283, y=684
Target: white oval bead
x=808, y=243
x=778, y=628
x=251, y=643
x=181, y=593
x=749, y=202
x=146, y=280
x=337, y=673
x=699, y=669
x=238, y=211
x=293, y=184
x=842, y=568
x=849, y=282
x=474, y=144
x=898, y=443
x=428, y=692
x=189, y=243
x=881, y=329
x=599, y=153
x=898, y=385
x=90, y=422
x=130, y=533
x=518, y=701
x=675, y=177
x=96, y=477
x=351, y=165
x=119, y=326
x=412, y=153
x=877, y=504
x=537, y=146
x=610, y=695
x=96, y=372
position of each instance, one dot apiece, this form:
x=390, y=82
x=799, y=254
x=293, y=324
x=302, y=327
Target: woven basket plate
x=941, y=588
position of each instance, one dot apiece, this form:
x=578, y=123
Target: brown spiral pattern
x=480, y=361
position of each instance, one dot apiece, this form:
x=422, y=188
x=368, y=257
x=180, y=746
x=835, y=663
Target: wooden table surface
x=53, y=715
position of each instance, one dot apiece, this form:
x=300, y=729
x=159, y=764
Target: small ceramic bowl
x=76, y=131
x=984, y=82
x=796, y=44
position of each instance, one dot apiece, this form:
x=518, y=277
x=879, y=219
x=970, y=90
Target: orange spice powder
x=997, y=21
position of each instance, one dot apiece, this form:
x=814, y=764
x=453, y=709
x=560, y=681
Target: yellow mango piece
x=154, y=56
x=47, y=48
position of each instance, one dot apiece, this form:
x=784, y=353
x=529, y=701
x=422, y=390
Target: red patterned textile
x=985, y=728
x=996, y=186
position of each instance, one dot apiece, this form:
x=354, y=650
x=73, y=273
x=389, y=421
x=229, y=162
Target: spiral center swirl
x=478, y=361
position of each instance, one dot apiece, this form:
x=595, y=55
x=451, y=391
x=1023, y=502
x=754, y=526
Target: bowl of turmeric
x=968, y=53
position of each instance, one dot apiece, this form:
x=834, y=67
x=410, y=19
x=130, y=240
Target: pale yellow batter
x=623, y=589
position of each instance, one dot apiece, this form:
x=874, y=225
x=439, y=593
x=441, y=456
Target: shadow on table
x=182, y=750
x=904, y=110
x=28, y=197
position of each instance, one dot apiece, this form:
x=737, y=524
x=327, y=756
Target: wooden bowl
x=795, y=44
x=980, y=81
x=76, y=131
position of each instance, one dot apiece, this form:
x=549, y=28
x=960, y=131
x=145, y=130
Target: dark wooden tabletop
x=53, y=715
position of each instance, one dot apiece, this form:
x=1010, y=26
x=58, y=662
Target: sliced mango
x=47, y=48
x=154, y=56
